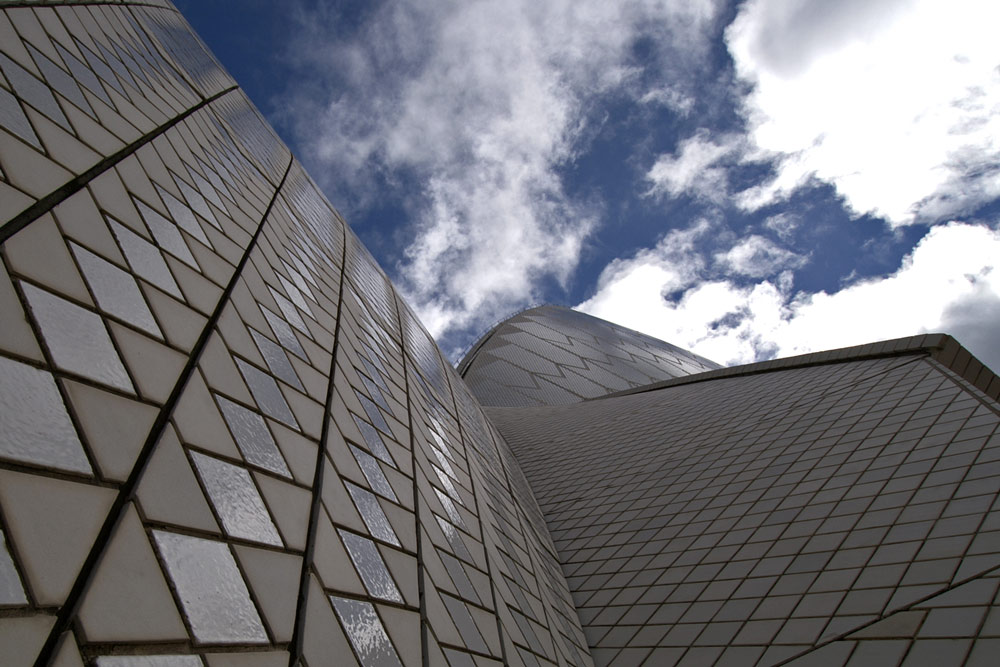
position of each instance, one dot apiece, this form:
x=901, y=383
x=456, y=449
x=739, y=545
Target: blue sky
x=746, y=180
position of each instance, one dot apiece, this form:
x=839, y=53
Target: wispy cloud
x=698, y=168
x=475, y=106
x=757, y=257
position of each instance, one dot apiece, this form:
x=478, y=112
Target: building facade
x=226, y=440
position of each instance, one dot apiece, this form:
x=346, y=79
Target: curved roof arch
x=553, y=355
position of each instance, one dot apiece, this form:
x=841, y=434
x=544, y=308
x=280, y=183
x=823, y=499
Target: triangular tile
x=114, y=442
x=52, y=524
x=128, y=598
x=169, y=492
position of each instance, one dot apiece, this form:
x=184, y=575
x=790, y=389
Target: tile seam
x=78, y=182
x=127, y=490
x=298, y=632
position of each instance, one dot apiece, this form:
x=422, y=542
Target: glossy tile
x=252, y=437
x=236, y=500
x=115, y=290
x=364, y=553
x=372, y=514
x=36, y=427
x=211, y=590
x=366, y=633
x=77, y=338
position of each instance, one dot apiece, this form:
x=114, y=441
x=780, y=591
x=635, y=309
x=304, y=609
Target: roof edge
x=470, y=354
x=940, y=347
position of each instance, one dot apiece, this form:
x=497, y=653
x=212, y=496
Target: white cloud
x=757, y=257
x=480, y=104
x=896, y=103
x=698, y=167
x=783, y=224
x=950, y=282
x=670, y=98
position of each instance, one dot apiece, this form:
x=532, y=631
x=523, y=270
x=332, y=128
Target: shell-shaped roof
x=552, y=355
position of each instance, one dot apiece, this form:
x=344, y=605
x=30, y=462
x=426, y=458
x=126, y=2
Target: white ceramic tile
x=372, y=514
x=77, y=338
x=252, y=437
x=236, y=500
x=211, y=589
x=366, y=632
x=145, y=260
x=370, y=565
x=34, y=425
x=11, y=588
x=115, y=290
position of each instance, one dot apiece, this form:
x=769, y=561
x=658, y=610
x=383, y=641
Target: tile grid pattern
x=751, y=519
x=451, y=430
x=304, y=449
x=550, y=355
x=227, y=440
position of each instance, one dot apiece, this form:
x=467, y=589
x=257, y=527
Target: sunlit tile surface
x=312, y=479
x=77, y=338
x=252, y=436
x=115, y=290
x=267, y=394
x=371, y=512
x=366, y=632
x=236, y=500
x=145, y=260
x=450, y=509
x=374, y=441
x=211, y=590
x=283, y=332
x=370, y=565
x=34, y=424
x=373, y=473
x=276, y=359
x=167, y=234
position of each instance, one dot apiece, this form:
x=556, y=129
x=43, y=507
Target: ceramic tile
x=33, y=419
x=211, y=591
x=252, y=437
x=11, y=588
x=236, y=500
x=366, y=632
x=145, y=260
x=372, y=513
x=128, y=600
x=115, y=290
x=266, y=393
x=370, y=565
x=53, y=524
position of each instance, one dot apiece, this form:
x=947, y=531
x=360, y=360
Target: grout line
x=421, y=593
x=77, y=183
x=847, y=633
x=88, y=570
x=298, y=632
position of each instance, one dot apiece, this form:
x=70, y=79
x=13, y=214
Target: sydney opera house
x=226, y=440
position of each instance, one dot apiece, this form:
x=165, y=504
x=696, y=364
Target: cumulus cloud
x=895, y=103
x=950, y=282
x=475, y=105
